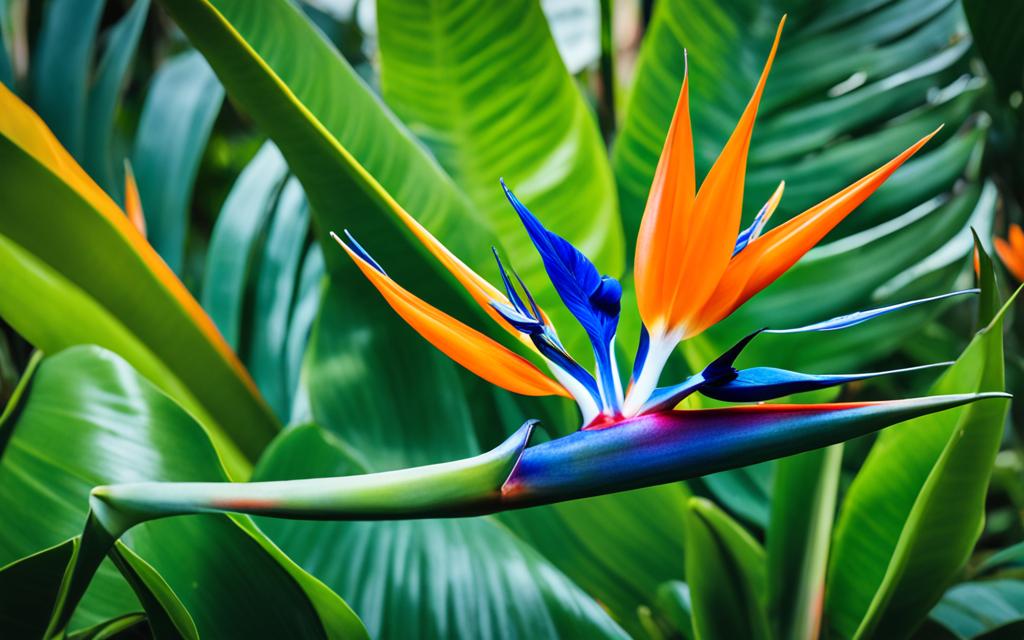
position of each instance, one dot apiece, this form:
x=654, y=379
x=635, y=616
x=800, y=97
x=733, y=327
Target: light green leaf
x=916, y=508
x=181, y=106
x=484, y=87
x=89, y=419
x=803, y=508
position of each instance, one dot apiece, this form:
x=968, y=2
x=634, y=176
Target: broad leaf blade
x=89, y=419
x=500, y=103
x=176, y=121
x=54, y=212
x=915, y=509
x=725, y=570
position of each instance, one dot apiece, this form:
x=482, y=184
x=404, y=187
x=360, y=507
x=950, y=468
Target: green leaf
x=62, y=63
x=484, y=87
x=89, y=419
x=168, y=339
x=234, y=241
x=426, y=578
x=676, y=604
x=181, y=106
x=725, y=570
x=105, y=95
x=275, y=288
x=999, y=37
x=989, y=610
x=803, y=508
x=914, y=511
x=30, y=586
x=338, y=138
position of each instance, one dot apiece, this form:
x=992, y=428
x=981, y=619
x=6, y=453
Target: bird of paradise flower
x=693, y=267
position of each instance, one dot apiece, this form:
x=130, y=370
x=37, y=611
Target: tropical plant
x=143, y=402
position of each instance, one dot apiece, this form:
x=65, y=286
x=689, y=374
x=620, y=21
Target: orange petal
x=478, y=288
x=132, y=202
x=1013, y=260
x=699, y=238
x=773, y=253
x=465, y=345
x=1017, y=239
x=663, y=228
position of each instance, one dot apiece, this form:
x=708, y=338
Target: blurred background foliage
x=569, y=101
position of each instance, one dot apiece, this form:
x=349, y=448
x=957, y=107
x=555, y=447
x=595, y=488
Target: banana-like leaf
x=725, y=570
x=803, y=508
x=86, y=418
x=500, y=102
x=915, y=509
x=61, y=68
x=999, y=37
x=986, y=610
x=57, y=222
x=105, y=95
x=469, y=578
x=176, y=122
x=356, y=161
x=853, y=83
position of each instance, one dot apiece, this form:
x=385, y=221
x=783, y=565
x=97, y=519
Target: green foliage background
x=253, y=128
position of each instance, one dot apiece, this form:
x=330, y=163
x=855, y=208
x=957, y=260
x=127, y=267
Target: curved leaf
x=88, y=419
x=484, y=87
x=725, y=570
x=57, y=220
x=355, y=160
x=921, y=489
x=176, y=121
x=62, y=62
x=105, y=95
x=468, y=578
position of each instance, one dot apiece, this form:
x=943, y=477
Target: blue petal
x=767, y=383
x=852, y=319
x=592, y=298
x=641, y=352
x=748, y=234
x=361, y=252
x=510, y=290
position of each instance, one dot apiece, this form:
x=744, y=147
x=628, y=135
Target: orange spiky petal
x=1012, y=252
x=763, y=261
x=132, y=201
x=463, y=344
x=696, y=240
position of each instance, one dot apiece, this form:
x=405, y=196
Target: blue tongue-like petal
x=594, y=300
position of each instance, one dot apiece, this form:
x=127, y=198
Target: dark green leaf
x=725, y=570
x=61, y=65
x=105, y=95
x=176, y=121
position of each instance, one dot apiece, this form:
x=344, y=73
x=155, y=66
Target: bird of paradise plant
x=693, y=267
